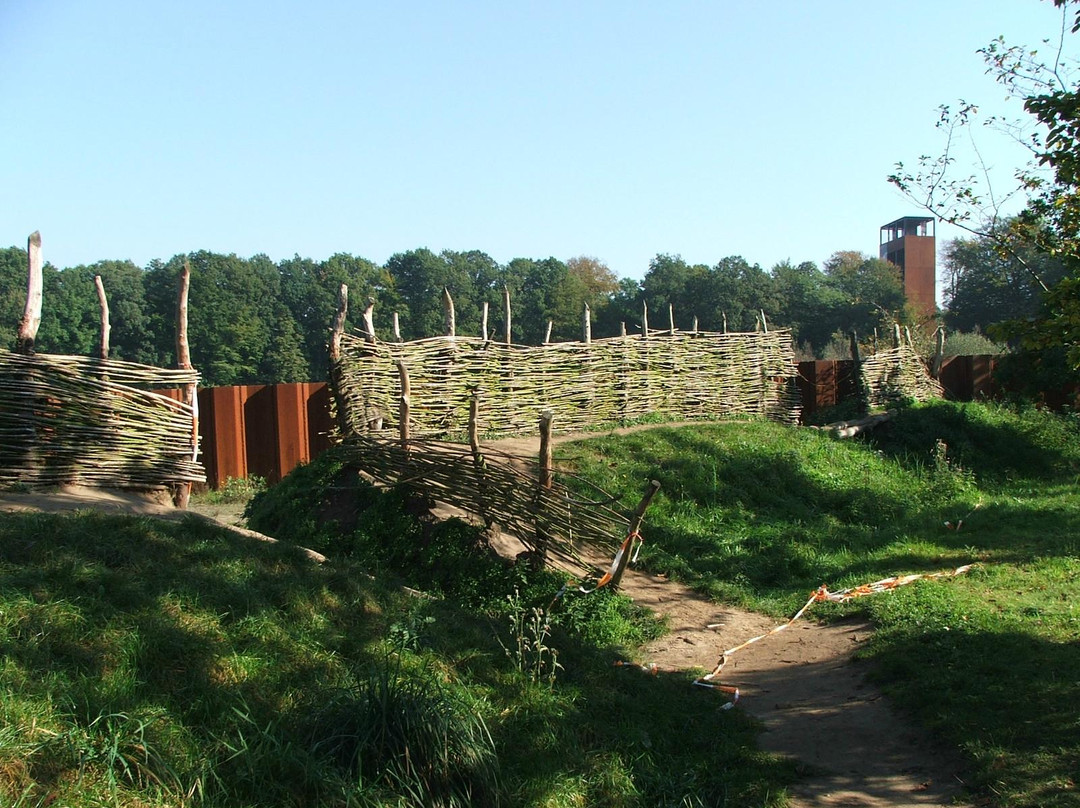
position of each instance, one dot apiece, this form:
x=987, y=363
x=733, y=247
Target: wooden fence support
x=644, y=319
x=622, y=328
x=339, y=322
x=31, y=320
x=671, y=319
x=182, y=492
x=723, y=316
x=483, y=323
x=635, y=526
x=547, y=334
x=586, y=326
x=448, y=312
x=764, y=323
x=939, y=353
x=403, y=406
x=545, y=480
x=369, y=321
x=694, y=328
x=103, y=304
x=506, y=314
x=397, y=328
x=478, y=460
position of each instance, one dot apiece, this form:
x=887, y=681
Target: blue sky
x=619, y=130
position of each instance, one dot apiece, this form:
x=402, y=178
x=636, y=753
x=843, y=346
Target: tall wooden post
x=182, y=492
x=338, y=328
x=31, y=319
x=635, y=526
x=479, y=464
x=644, y=319
x=939, y=353
x=723, y=315
x=369, y=321
x=694, y=328
x=506, y=314
x=586, y=326
x=403, y=406
x=448, y=312
x=543, y=538
x=547, y=333
x=764, y=323
x=671, y=319
x=103, y=304
x=397, y=328
x=483, y=323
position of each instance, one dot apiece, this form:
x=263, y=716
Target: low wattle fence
x=266, y=430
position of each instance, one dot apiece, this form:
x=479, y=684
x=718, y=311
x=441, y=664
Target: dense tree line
x=252, y=320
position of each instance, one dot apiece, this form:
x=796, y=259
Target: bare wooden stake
x=723, y=314
x=695, y=328
x=403, y=406
x=635, y=527
x=182, y=492
x=339, y=322
x=896, y=335
x=586, y=326
x=644, y=319
x=543, y=539
x=103, y=304
x=622, y=328
x=671, y=319
x=939, y=353
x=547, y=334
x=369, y=321
x=764, y=323
x=448, y=311
x=506, y=314
x=479, y=462
x=907, y=336
x=483, y=323
x=31, y=319
x=397, y=328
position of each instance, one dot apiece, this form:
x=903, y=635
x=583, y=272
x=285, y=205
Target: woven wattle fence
x=678, y=375
x=896, y=375
x=500, y=489
x=71, y=420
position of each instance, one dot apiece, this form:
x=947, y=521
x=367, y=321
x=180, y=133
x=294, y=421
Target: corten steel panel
x=291, y=427
x=225, y=427
x=982, y=376
x=955, y=377
x=261, y=429
x=320, y=424
x=806, y=381
x=920, y=270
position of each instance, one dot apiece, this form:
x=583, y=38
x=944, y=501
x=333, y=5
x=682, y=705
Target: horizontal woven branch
x=76, y=420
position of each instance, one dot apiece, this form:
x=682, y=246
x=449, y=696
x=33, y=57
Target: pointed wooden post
x=31, y=319
x=182, y=492
x=622, y=328
x=547, y=334
x=695, y=326
x=403, y=406
x=483, y=323
x=506, y=314
x=448, y=311
x=764, y=323
x=671, y=320
x=338, y=328
x=896, y=335
x=635, y=526
x=644, y=319
x=397, y=328
x=586, y=326
x=543, y=538
x=103, y=304
x=369, y=321
x=723, y=314
x=939, y=353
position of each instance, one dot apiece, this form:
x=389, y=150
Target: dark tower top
x=909, y=243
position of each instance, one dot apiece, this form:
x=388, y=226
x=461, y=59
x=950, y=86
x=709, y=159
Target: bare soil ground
x=802, y=684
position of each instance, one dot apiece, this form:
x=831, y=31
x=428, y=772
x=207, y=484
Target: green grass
x=761, y=515
x=156, y=664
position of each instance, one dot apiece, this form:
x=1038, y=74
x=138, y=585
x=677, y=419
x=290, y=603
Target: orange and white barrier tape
x=628, y=542
x=821, y=595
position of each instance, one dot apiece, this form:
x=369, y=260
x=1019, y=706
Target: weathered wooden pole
x=448, y=311
x=31, y=319
x=586, y=326
x=695, y=326
x=896, y=335
x=671, y=319
x=106, y=327
x=939, y=353
x=369, y=321
x=644, y=319
x=622, y=328
x=723, y=315
x=635, y=527
x=182, y=492
x=403, y=406
x=397, y=328
x=479, y=464
x=338, y=327
x=506, y=314
x=764, y=323
x=907, y=336
x=543, y=538
x=547, y=334
x=483, y=323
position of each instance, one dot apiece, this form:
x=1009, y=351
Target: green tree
x=871, y=290
x=808, y=304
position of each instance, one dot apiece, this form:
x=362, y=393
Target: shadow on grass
x=1007, y=699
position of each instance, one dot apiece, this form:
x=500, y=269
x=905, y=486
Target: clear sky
x=140, y=129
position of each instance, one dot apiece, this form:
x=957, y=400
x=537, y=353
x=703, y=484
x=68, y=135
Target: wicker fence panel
x=77, y=420
x=681, y=375
x=895, y=375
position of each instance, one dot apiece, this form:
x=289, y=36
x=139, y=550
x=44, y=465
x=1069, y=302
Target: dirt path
x=803, y=685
